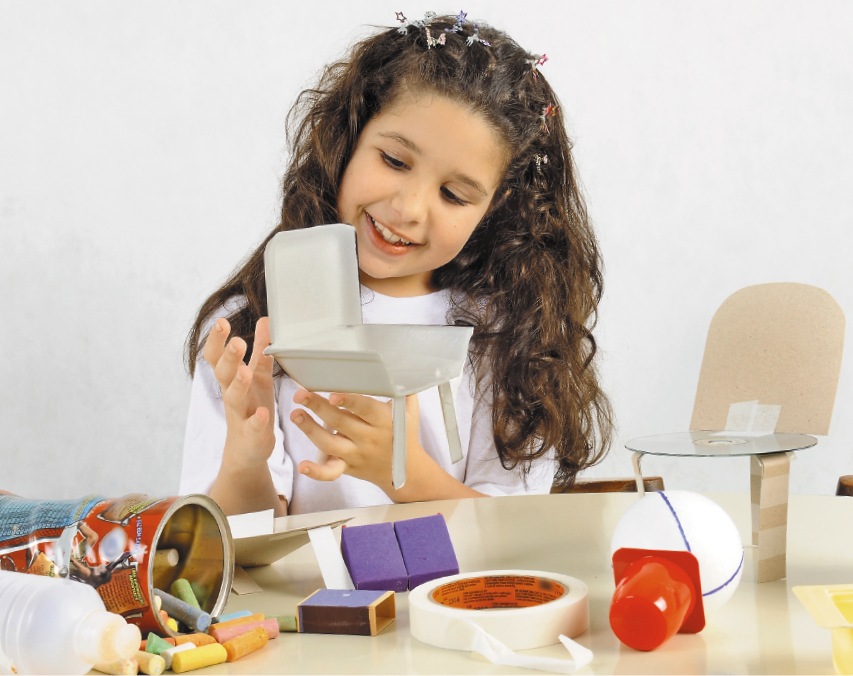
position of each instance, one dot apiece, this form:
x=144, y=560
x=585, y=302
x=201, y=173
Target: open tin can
x=110, y=544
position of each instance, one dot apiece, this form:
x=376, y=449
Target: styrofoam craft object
x=687, y=521
x=318, y=338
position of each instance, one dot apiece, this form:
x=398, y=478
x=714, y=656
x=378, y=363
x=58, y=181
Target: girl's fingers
x=232, y=357
x=328, y=471
x=339, y=419
x=259, y=360
x=256, y=426
x=326, y=441
x=375, y=413
x=214, y=346
x=234, y=396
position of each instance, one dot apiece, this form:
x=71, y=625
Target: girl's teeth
x=387, y=235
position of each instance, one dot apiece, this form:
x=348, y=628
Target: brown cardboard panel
x=772, y=569
x=243, y=583
x=291, y=533
x=780, y=344
x=771, y=517
x=772, y=542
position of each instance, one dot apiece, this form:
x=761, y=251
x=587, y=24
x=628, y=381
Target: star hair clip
x=549, y=111
x=474, y=38
x=424, y=23
x=535, y=62
x=540, y=160
x=461, y=20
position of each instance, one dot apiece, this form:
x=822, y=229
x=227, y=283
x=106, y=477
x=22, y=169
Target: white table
x=761, y=629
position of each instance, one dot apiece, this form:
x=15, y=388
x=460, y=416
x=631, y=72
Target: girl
x=443, y=145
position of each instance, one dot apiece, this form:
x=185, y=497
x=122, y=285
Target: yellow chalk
x=150, y=664
x=172, y=623
x=121, y=667
x=197, y=658
x=245, y=643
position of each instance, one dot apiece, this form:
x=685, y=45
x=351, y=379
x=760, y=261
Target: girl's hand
x=247, y=392
x=360, y=437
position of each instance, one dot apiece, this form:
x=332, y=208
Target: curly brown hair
x=531, y=271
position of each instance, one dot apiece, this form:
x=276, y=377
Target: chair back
x=780, y=344
x=312, y=282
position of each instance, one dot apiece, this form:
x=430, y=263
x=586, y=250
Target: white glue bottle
x=54, y=626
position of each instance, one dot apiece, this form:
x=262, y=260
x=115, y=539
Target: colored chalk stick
x=150, y=664
x=167, y=655
x=119, y=667
x=270, y=625
x=286, y=622
x=182, y=590
x=246, y=643
x=168, y=639
x=198, y=639
x=166, y=558
x=205, y=656
x=426, y=547
x=363, y=612
x=373, y=557
x=195, y=619
x=154, y=644
x=257, y=617
x=231, y=616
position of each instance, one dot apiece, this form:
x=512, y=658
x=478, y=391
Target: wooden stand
x=768, y=482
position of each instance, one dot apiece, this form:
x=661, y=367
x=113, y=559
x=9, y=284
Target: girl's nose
x=411, y=202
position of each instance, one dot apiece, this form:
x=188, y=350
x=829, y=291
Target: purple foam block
x=427, y=549
x=373, y=557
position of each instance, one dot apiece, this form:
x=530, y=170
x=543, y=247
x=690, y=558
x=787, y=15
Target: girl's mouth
x=385, y=240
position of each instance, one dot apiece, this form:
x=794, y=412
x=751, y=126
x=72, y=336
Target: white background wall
x=141, y=146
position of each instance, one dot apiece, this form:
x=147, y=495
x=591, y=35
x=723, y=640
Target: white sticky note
x=328, y=553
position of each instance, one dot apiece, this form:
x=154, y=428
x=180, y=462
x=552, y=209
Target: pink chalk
x=227, y=633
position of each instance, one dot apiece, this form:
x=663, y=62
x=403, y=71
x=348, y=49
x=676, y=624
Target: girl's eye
x=450, y=197
x=394, y=162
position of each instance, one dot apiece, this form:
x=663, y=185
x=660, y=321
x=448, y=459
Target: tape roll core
x=523, y=609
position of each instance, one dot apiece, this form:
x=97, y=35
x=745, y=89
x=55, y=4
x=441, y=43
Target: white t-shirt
x=480, y=467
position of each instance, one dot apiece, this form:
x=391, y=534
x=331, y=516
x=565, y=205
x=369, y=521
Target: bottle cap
x=105, y=637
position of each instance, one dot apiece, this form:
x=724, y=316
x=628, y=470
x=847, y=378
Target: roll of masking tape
x=522, y=608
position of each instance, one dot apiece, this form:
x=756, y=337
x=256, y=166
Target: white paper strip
x=328, y=553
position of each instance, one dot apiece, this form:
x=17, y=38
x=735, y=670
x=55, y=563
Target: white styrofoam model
x=318, y=338
x=687, y=521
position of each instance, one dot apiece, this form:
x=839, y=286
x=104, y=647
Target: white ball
x=686, y=521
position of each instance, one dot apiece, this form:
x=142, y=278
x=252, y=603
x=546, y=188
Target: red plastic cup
x=651, y=602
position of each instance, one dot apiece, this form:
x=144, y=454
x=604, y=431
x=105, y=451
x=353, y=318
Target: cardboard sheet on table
x=289, y=534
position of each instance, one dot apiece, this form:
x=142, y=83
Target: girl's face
x=420, y=180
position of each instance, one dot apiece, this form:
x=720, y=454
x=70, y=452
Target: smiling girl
x=442, y=144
